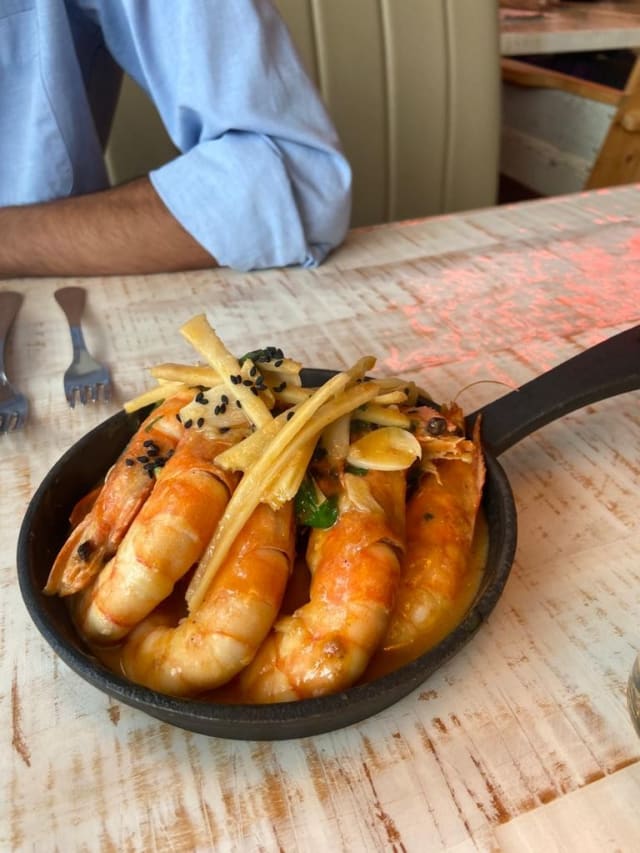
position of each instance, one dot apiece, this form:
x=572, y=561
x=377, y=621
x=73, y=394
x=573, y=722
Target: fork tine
x=14, y=406
x=11, y=422
x=85, y=379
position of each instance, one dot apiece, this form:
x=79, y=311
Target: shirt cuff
x=234, y=195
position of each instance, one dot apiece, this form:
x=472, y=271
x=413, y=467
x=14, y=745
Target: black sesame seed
x=200, y=422
x=224, y=399
x=238, y=404
x=253, y=371
x=247, y=382
x=129, y=462
x=188, y=424
x=290, y=415
x=85, y=549
x=142, y=458
x=254, y=390
x=178, y=418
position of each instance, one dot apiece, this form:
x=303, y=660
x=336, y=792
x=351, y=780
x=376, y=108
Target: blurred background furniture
x=414, y=91
x=571, y=96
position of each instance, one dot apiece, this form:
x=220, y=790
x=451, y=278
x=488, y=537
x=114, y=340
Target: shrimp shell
x=325, y=645
x=127, y=485
x=209, y=646
x=441, y=518
x=167, y=537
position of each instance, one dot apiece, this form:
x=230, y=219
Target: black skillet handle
x=609, y=368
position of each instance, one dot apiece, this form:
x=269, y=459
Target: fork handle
x=72, y=301
x=10, y=303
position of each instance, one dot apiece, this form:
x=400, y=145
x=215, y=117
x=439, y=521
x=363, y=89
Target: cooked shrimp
x=208, y=647
x=325, y=645
x=127, y=485
x=441, y=517
x=167, y=537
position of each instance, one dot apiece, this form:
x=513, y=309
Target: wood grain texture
x=605, y=25
x=522, y=741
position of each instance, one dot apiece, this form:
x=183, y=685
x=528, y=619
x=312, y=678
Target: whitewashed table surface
x=602, y=25
x=522, y=742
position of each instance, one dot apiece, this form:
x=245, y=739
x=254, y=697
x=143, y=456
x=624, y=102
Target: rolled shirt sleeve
x=261, y=180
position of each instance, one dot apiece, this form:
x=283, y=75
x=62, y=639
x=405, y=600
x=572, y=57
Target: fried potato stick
x=263, y=475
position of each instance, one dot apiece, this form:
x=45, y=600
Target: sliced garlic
x=374, y=413
x=335, y=439
x=357, y=495
x=385, y=449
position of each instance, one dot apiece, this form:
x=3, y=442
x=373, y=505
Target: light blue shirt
x=260, y=180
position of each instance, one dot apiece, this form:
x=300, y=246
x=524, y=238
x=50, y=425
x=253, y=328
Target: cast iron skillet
x=611, y=368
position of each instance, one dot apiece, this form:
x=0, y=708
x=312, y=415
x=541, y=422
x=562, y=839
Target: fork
x=14, y=406
x=85, y=378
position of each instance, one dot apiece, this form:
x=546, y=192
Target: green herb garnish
x=357, y=472
x=313, y=508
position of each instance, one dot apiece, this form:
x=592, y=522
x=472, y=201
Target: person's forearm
x=119, y=231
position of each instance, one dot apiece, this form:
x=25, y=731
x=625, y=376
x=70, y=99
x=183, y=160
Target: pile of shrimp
x=240, y=482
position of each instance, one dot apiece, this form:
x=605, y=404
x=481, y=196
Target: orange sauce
x=297, y=594
x=450, y=616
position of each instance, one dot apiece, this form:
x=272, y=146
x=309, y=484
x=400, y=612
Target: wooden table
x=522, y=742
x=605, y=25
x=561, y=133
